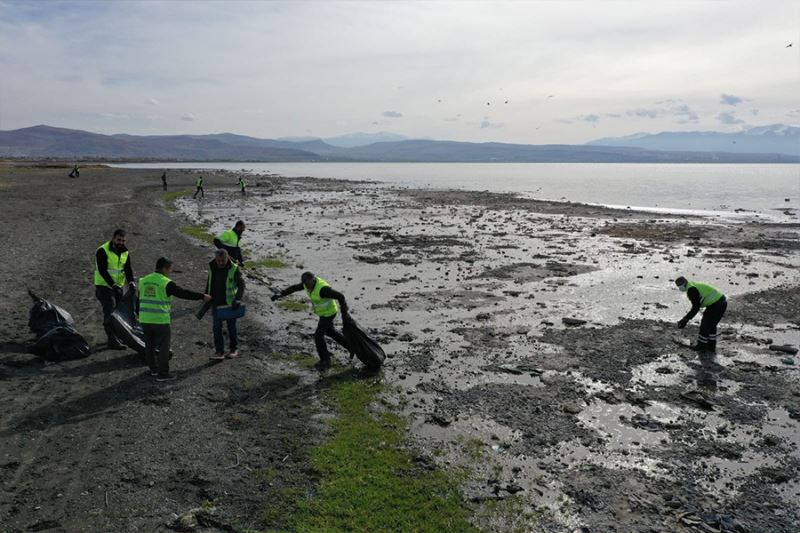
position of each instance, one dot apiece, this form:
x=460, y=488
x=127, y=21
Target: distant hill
x=774, y=139
x=352, y=140
x=49, y=142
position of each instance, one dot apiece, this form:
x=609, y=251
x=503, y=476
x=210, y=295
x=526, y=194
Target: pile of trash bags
x=125, y=325
x=56, y=336
x=367, y=350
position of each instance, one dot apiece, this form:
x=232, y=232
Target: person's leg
x=319, y=337
x=234, y=341
x=219, y=341
x=715, y=314
x=163, y=339
x=202, y=193
x=150, y=347
x=333, y=333
x=107, y=300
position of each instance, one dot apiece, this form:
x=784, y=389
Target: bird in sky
x=789, y=45
x=506, y=101
x=551, y=96
x=488, y=103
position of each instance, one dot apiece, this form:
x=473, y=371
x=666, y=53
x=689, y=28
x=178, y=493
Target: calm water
x=705, y=187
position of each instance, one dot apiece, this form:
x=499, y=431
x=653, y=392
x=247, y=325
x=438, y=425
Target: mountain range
x=61, y=143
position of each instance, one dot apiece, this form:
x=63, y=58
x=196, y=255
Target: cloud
x=188, y=117
x=728, y=117
x=646, y=113
x=115, y=116
x=589, y=118
x=485, y=124
x=152, y=101
x=392, y=114
x=794, y=113
x=685, y=114
x=755, y=112
x=729, y=99
x=613, y=115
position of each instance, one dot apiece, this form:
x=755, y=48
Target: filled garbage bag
x=56, y=336
x=125, y=325
x=367, y=350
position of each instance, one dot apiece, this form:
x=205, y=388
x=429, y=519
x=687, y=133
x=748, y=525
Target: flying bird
x=789, y=45
x=488, y=103
x=506, y=101
x=551, y=96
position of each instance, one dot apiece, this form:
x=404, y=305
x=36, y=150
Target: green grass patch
x=199, y=231
x=293, y=305
x=367, y=479
x=269, y=262
x=170, y=197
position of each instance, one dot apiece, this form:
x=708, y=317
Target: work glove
x=132, y=286
x=235, y=304
x=117, y=291
x=274, y=297
x=681, y=324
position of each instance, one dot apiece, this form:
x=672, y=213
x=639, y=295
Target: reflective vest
x=155, y=307
x=242, y=183
x=200, y=181
x=230, y=283
x=322, y=306
x=709, y=295
x=116, y=267
x=229, y=238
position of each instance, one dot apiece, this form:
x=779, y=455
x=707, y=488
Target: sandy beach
x=531, y=346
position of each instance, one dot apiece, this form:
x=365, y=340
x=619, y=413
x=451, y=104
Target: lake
x=672, y=187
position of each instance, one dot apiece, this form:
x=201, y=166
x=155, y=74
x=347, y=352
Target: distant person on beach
x=243, y=185
x=226, y=287
x=713, y=301
x=155, y=315
x=76, y=172
x=164, y=180
x=199, y=189
x=326, y=303
x=111, y=272
x=229, y=241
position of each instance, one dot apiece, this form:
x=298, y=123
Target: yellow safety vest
x=155, y=306
x=322, y=306
x=116, y=267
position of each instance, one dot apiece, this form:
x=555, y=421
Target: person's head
x=164, y=266
x=308, y=280
x=682, y=283
x=221, y=257
x=239, y=226
x=120, y=238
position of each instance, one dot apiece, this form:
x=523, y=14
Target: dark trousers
x=156, y=347
x=201, y=191
x=708, y=325
x=219, y=341
x=325, y=327
x=165, y=185
x=108, y=299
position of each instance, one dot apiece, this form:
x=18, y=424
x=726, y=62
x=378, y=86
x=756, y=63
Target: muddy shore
x=593, y=423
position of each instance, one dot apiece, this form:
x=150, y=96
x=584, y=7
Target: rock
x=439, y=419
x=573, y=321
x=184, y=522
x=513, y=488
x=785, y=348
x=787, y=361
x=571, y=408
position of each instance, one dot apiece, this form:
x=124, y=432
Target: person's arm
x=239, y=280
x=129, y=270
x=236, y=254
x=694, y=297
x=102, y=266
x=185, y=294
x=218, y=243
x=288, y=290
x=327, y=292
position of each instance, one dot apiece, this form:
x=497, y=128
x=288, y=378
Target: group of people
x=198, y=184
x=225, y=287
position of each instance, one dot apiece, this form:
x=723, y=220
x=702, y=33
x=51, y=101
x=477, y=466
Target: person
x=325, y=303
x=155, y=315
x=243, y=185
x=112, y=270
x=199, y=189
x=229, y=241
x=76, y=172
x=164, y=180
x=708, y=297
x=226, y=287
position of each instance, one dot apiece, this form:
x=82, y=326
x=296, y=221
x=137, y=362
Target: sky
x=525, y=72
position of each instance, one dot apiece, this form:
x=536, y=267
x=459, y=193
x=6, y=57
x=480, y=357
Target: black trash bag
x=125, y=325
x=56, y=336
x=367, y=350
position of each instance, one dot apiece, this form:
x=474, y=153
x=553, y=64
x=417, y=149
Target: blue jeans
x=219, y=341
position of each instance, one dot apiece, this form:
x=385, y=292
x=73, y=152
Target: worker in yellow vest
x=199, y=188
x=229, y=241
x=708, y=297
x=325, y=303
x=155, y=315
x=112, y=270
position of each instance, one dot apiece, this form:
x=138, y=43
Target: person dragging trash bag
x=155, y=315
x=325, y=303
x=112, y=270
x=199, y=188
x=229, y=241
x=713, y=301
x=226, y=287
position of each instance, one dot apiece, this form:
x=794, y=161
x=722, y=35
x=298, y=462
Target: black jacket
x=216, y=286
x=325, y=292
x=102, y=265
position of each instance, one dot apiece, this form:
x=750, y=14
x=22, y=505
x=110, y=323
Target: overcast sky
x=570, y=71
